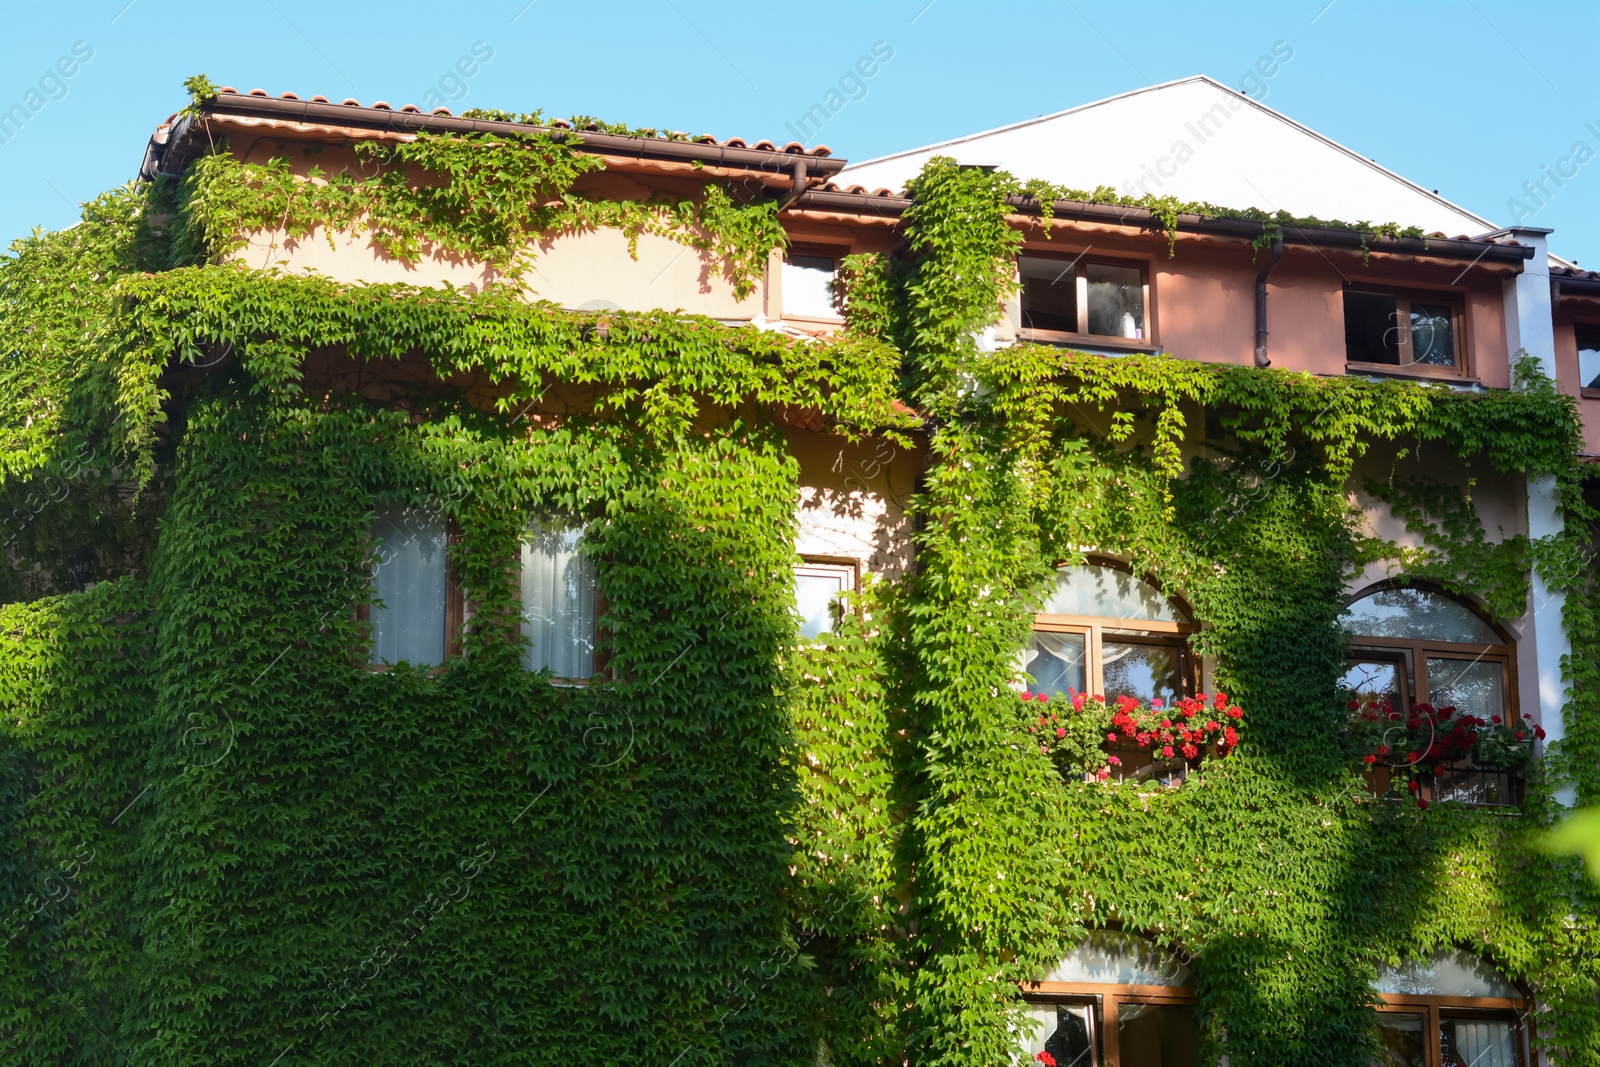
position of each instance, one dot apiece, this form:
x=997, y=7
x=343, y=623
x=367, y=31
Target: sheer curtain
x=409, y=586
x=1478, y=1043
x=558, y=601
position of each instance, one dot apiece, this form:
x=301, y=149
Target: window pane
x=1049, y=294
x=1373, y=680
x=1110, y=957
x=1477, y=1043
x=1589, y=358
x=1432, y=335
x=409, y=583
x=1108, y=593
x=1066, y=1031
x=805, y=286
x=1116, y=301
x=1156, y=1035
x=1371, y=327
x=1056, y=662
x=558, y=602
x=1473, y=686
x=1418, y=615
x=1445, y=974
x=1400, y=1041
x=815, y=589
x=1141, y=671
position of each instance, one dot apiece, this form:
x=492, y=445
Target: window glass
x=1109, y=957
x=806, y=282
x=816, y=587
x=1400, y=1041
x=1369, y=680
x=1589, y=357
x=1432, y=334
x=1065, y=1031
x=1156, y=1035
x=1473, y=686
x=1116, y=301
x=1477, y=1043
x=558, y=601
x=1057, y=662
x=1445, y=974
x=1416, y=614
x=1049, y=294
x=1108, y=593
x=409, y=588
x=1371, y=327
x=1140, y=670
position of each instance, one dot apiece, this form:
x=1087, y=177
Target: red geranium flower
x=1061, y=731
x=1045, y=1058
x=1423, y=804
x=1041, y=698
x=1166, y=750
x=1369, y=759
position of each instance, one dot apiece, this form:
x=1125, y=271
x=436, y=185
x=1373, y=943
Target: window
x=817, y=585
x=559, y=601
x=1105, y=631
x=1451, y=1009
x=416, y=608
x=1084, y=298
x=1117, y=1001
x=1415, y=331
x=1411, y=646
x=1589, y=358
x=807, y=282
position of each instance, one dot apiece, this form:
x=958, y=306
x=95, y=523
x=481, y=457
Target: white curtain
x=409, y=580
x=558, y=601
x=1479, y=1043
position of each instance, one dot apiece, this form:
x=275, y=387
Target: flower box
x=1092, y=740
x=1438, y=754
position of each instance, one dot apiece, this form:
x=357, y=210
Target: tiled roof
x=788, y=148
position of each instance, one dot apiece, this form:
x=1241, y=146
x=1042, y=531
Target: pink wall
x=1570, y=311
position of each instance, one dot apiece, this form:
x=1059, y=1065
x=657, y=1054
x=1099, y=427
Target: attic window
x=1589, y=359
x=1079, y=298
x=807, y=282
x=1414, y=331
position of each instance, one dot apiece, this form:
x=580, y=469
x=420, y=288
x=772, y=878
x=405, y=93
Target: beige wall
x=853, y=500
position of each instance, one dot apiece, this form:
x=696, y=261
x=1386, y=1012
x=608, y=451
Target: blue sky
x=1470, y=97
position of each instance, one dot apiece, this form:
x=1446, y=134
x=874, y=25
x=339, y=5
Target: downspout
x=797, y=188
x=1273, y=259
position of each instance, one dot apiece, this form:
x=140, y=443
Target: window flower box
x=1439, y=754
x=1092, y=740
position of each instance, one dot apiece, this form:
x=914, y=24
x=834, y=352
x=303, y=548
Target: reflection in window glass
x=1418, y=615
x=1473, y=686
x=558, y=602
x=1432, y=335
x=1369, y=680
x=1110, y=957
x=409, y=588
x=807, y=282
x=1057, y=662
x=1156, y=1035
x=1477, y=1043
x=1049, y=294
x=1446, y=974
x=1116, y=301
x=1142, y=671
x=1066, y=1031
x=816, y=587
x=1589, y=357
x=1400, y=1041
x=1108, y=593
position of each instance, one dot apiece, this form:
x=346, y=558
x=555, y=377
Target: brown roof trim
x=169, y=155
x=1576, y=282
x=883, y=203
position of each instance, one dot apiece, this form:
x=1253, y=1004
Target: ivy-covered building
x=485, y=590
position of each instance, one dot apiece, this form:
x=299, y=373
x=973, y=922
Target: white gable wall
x=1197, y=140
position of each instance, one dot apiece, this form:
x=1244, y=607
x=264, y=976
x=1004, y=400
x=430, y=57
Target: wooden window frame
x=457, y=608
x=1435, y=1009
x=832, y=564
x=1079, y=263
x=1462, y=368
x=1132, y=631
x=1108, y=999
x=820, y=251
x=601, y=634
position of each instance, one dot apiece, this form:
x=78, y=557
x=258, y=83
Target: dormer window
x=1402, y=330
x=1086, y=300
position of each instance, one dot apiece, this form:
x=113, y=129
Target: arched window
x=1119, y=1001
x=1451, y=1009
x=1413, y=646
x=1105, y=631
